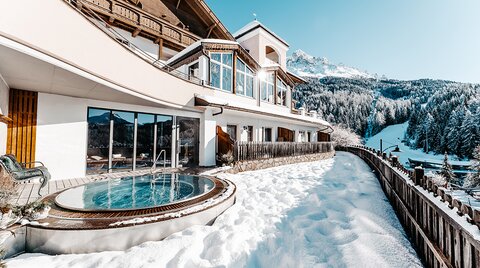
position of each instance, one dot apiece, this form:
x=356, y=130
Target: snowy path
x=323, y=214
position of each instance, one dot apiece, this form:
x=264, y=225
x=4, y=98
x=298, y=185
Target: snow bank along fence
x=444, y=231
x=261, y=155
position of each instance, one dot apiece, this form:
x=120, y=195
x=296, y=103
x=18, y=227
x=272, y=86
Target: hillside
x=445, y=113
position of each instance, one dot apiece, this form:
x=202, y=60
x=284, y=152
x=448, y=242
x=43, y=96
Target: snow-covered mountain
x=305, y=65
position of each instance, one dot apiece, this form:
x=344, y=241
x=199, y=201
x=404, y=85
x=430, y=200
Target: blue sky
x=403, y=39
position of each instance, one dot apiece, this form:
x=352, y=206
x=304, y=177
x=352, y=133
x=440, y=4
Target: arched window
x=272, y=55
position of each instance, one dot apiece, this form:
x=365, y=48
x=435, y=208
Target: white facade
x=3, y=111
x=62, y=131
x=73, y=70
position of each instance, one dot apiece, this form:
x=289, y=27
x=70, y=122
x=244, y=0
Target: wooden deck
x=28, y=192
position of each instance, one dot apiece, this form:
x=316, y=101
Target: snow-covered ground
x=393, y=135
x=329, y=213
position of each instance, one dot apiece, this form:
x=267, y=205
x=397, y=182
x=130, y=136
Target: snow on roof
x=256, y=24
x=223, y=102
x=197, y=44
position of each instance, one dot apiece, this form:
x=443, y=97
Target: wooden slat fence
x=440, y=239
x=21, y=137
x=244, y=151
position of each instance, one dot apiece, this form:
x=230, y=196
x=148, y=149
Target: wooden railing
x=103, y=25
x=244, y=151
x=444, y=231
x=140, y=20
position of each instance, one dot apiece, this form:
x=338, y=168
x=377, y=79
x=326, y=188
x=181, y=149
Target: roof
x=297, y=79
x=198, y=44
x=257, y=25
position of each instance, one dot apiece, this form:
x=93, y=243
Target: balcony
x=139, y=20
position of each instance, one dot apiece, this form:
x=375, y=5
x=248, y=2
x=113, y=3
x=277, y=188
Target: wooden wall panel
x=22, y=109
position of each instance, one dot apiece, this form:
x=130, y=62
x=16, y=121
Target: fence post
x=418, y=175
x=394, y=161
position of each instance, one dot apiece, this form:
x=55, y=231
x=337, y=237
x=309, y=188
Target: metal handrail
x=95, y=19
x=154, y=166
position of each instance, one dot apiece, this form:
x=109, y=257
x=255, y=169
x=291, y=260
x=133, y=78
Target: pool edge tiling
x=66, y=231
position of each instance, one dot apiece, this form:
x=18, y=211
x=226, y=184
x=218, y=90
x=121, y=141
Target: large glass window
x=244, y=79
x=98, y=140
x=250, y=133
x=101, y=158
x=194, y=71
x=267, y=134
x=164, y=139
x=221, y=70
x=123, y=140
x=232, y=132
x=189, y=138
x=281, y=93
x=266, y=88
x=145, y=140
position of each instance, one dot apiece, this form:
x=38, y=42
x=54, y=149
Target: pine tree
x=473, y=179
x=447, y=170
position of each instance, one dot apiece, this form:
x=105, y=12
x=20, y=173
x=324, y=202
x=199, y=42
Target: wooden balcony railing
x=140, y=20
x=263, y=150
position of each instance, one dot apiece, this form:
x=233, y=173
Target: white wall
x=61, y=135
x=4, y=90
x=208, y=139
x=62, y=131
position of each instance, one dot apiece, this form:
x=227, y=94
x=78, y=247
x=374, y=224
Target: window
x=123, y=140
x=221, y=71
x=271, y=54
x=145, y=140
x=266, y=89
x=244, y=79
x=281, y=93
x=164, y=139
x=188, y=140
x=250, y=133
x=232, y=132
x=193, y=71
x=309, y=136
x=267, y=134
x=302, y=136
x=98, y=140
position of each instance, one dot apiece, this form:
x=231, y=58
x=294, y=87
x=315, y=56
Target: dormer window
x=244, y=79
x=221, y=71
x=266, y=88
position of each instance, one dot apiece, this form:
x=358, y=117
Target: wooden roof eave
x=283, y=75
x=219, y=25
x=244, y=55
x=189, y=57
x=296, y=79
x=207, y=47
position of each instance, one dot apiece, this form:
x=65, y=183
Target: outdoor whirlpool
x=131, y=193
x=118, y=214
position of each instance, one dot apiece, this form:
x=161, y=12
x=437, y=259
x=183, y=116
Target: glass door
x=98, y=140
x=164, y=140
x=145, y=140
x=123, y=140
x=188, y=141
